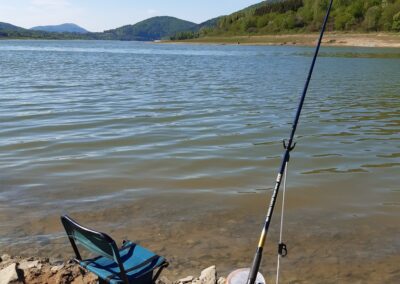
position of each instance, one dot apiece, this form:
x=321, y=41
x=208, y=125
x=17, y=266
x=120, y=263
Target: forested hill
x=9, y=27
x=297, y=16
x=8, y=31
x=266, y=17
x=151, y=29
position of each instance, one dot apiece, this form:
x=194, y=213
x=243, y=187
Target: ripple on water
x=88, y=122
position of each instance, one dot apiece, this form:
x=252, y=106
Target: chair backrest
x=94, y=241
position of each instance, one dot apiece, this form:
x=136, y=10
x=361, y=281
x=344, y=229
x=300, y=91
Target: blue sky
x=99, y=15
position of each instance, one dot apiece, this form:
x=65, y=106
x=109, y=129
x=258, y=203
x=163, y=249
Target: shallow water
x=185, y=141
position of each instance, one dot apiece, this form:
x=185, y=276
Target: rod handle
x=255, y=266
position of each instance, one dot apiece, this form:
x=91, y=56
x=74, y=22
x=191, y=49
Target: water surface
x=123, y=134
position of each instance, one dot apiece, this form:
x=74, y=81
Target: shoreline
x=331, y=39
x=35, y=270
x=381, y=40
x=226, y=236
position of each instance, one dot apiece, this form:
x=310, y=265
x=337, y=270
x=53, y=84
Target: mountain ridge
x=269, y=17
x=155, y=28
x=62, y=28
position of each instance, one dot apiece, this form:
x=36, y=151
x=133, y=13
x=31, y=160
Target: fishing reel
x=282, y=250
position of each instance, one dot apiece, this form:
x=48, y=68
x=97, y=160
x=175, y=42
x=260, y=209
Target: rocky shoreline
x=33, y=270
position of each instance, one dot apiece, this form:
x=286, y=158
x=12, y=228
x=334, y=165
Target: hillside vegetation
x=8, y=31
x=300, y=16
x=265, y=18
x=148, y=30
x=151, y=29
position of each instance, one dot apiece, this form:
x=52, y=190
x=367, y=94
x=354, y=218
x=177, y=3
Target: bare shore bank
x=35, y=270
x=43, y=270
x=388, y=40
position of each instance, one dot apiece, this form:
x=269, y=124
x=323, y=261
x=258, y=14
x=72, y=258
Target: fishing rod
x=289, y=146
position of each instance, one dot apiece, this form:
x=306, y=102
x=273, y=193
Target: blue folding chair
x=130, y=263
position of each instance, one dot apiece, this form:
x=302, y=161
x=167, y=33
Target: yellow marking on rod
x=262, y=239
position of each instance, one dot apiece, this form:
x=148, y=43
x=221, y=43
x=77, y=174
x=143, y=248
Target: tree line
x=301, y=16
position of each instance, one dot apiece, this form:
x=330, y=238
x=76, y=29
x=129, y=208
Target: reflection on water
x=85, y=123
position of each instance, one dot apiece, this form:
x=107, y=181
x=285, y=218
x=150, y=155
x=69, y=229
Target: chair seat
x=138, y=262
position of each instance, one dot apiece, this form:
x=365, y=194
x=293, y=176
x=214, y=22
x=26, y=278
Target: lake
x=177, y=147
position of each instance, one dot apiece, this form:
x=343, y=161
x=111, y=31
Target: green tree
x=263, y=21
x=342, y=20
x=389, y=11
x=289, y=20
x=249, y=23
x=371, y=21
x=356, y=9
x=396, y=22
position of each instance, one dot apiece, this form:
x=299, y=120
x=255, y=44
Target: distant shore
x=389, y=40
x=385, y=40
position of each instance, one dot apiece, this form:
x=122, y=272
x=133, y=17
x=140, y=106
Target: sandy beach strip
x=388, y=40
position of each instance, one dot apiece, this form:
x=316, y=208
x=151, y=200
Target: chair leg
x=102, y=281
x=155, y=277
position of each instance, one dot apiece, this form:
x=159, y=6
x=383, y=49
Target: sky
x=99, y=15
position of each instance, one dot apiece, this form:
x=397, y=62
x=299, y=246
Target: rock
x=186, y=279
x=57, y=268
x=56, y=262
x=65, y=277
x=209, y=275
x=221, y=280
x=9, y=274
x=25, y=265
x=5, y=257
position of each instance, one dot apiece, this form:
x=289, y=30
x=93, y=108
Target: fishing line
x=289, y=146
x=278, y=265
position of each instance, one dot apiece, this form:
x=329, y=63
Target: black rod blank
x=288, y=148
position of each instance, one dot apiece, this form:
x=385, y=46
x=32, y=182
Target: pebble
x=5, y=257
x=57, y=268
x=221, y=280
x=25, y=265
x=186, y=279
